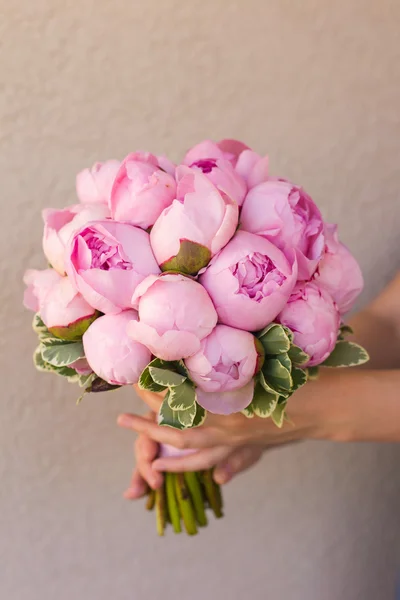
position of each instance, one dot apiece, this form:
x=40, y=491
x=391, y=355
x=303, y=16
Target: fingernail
x=124, y=420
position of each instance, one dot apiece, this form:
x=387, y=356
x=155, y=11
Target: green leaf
x=312, y=373
x=285, y=361
x=62, y=354
x=299, y=377
x=263, y=403
x=264, y=384
x=86, y=380
x=277, y=376
x=146, y=382
x=70, y=374
x=274, y=339
x=200, y=417
x=37, y=324
x=344, y=330
x=166, y=378
x=187, y=416
x=169, y=417
x=278, y=416
x=40, y=364
x=248, y=411
x=346, y=354
x=181, y=397
x=298, y=356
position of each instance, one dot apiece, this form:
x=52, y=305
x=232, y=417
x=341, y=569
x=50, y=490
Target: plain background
x=316, y=85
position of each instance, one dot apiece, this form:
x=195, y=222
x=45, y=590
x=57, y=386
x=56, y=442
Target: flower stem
x=151, y=499
x=194, y=487
x=213, y=493
x=160, y=510
x=172, y=502
x=185, y=504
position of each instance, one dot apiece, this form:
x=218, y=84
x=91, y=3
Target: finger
x=146, y=451
x=138, y=487
x=202, y=437
x=198, y=461
x=238, y=460
x=152, y=399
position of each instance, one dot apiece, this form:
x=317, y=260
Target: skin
x=346, y=405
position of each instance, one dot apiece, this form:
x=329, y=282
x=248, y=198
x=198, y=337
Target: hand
x=228, y=462
x=220, y=431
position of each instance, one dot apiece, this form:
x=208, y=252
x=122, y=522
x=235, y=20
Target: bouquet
x=210, y=281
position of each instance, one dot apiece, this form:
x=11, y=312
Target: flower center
x=106, y=254
x=257, y=276
x=206, y=164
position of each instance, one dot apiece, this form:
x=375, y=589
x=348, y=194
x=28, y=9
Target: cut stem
x=194, y=487
x=172, y=502
x=160, y=510
x=213, y=493
x=185, y=504
x=151, y=500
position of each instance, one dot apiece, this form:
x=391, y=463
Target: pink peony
x=339, y=272
x=142, y=190
x=196, y=225
x=250, y=166
x=62, y=309
x=175, y=314
x=284, y=214
x=250, y=281
x=106, y=260
x=60, y=224
x=223, y=370
x=314, y=319
x=38, y=284
x=111, y=353
x=93, y=186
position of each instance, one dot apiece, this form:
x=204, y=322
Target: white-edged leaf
x=289, y=333
x=277, y=375
x=278, y=416
x=40, y=364
x=64, y=354
x=248, y=411
x=285, y=361
x=274, y=339
x=263, y=403
x=299, y=377
x=146, y=382
x=346, y=354
x=165, y=377
x=169, y=417
x=37, y=324
x=200, y=417
x=298, y=356
x=86, y=380
x=265, y=384
x=181, y=397
x=187, y=416
x=312, y=373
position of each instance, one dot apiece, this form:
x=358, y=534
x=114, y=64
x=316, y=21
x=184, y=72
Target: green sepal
x=182, y=396
x=346, y=354
x=274, y=339
x=75, y=331
x=190, y=259
x=98, y=385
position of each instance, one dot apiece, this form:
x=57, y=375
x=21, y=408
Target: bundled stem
x=183, y=499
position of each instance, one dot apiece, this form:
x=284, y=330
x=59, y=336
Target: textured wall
x=317, y=85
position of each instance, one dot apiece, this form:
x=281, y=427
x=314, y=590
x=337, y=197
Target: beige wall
x=317, y=85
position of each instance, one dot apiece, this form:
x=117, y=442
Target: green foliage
x=346, y=354
x=274, y=339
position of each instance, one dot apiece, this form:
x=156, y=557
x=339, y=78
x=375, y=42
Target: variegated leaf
x=200, y=417
x=346, y=354
x=298, y=356
x=274, y=339
x=299, y=377
x=181, y=397
x=62, y=354
x=166, y=378
x=263, y=403
x=278, y=416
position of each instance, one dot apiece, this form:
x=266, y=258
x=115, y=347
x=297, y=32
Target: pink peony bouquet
x=210, y=281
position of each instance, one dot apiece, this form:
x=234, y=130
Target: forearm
x=352, y=405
